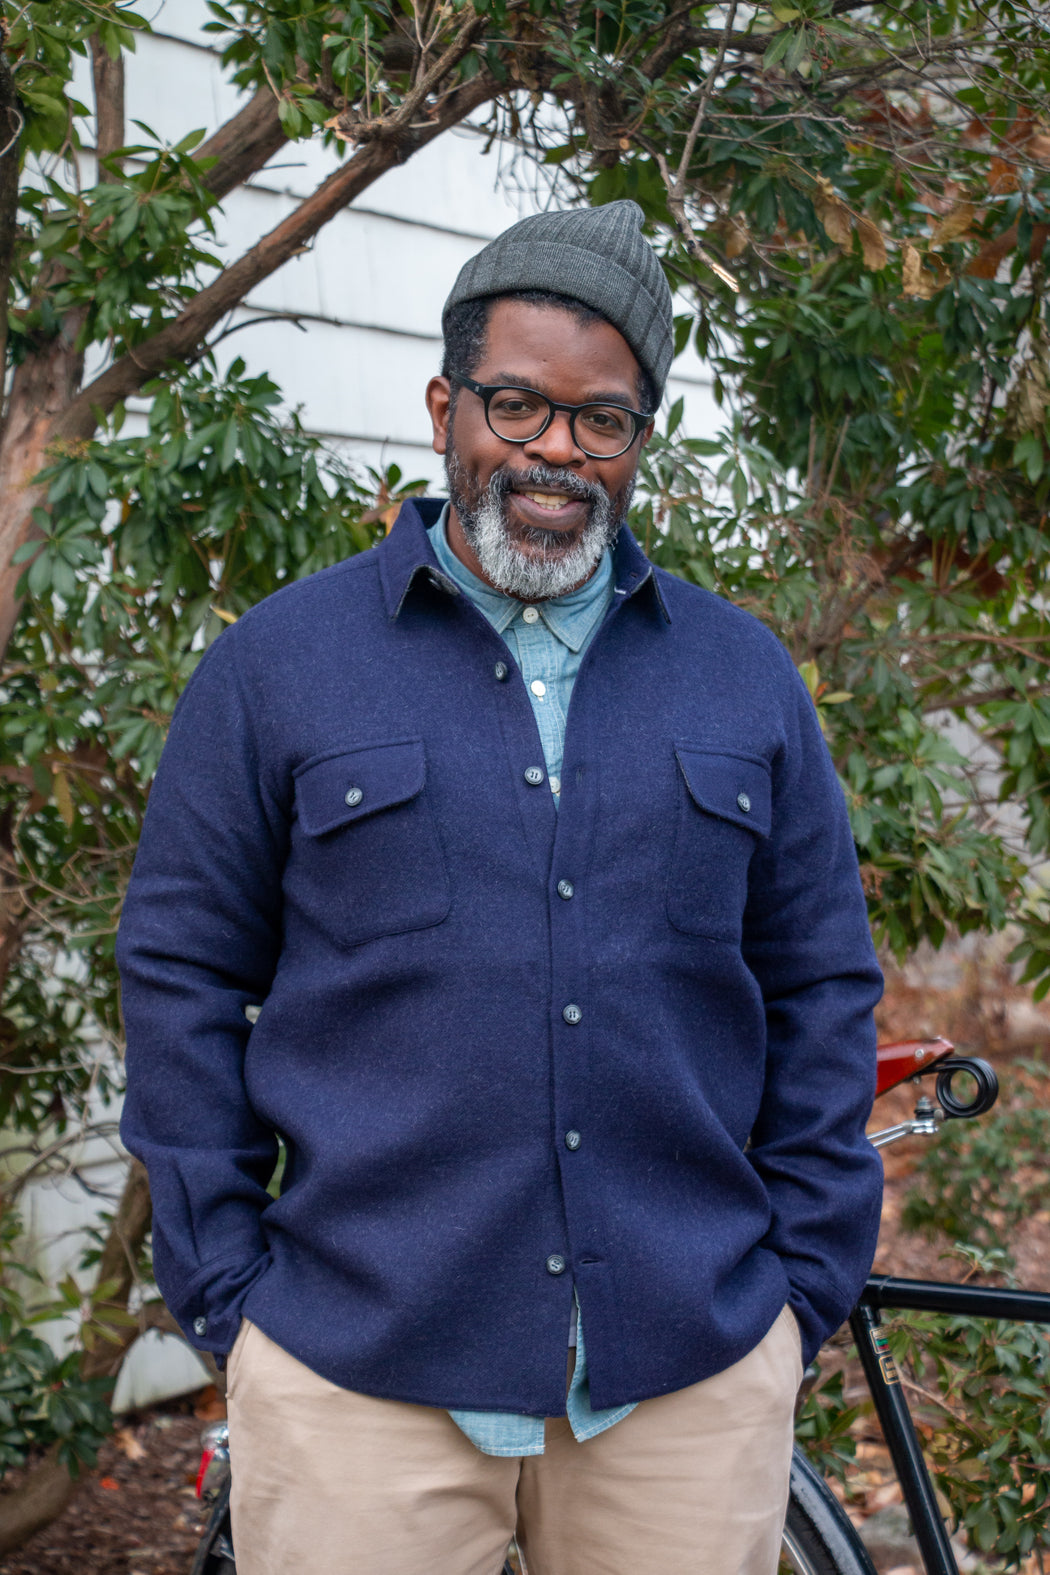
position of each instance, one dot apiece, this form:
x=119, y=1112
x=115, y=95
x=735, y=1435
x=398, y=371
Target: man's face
x=533, y=519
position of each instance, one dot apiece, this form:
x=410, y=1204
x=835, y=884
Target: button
x=534, y=776
x=566, y=889
x=200, y=1326
x=555, y=783
x=354, y=797
x=744, y=802
x=573, y=1140
x=556, y=1264
x=530, y=615
x=538, y=687
x=501, y=670
x=572, y=1013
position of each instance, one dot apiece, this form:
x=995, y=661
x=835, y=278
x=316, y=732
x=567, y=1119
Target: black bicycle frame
x=880, y=1370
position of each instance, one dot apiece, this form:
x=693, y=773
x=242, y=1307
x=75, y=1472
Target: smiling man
x=562, y=1011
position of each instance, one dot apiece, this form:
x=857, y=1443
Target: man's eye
x=602, y=418
x=514, y=406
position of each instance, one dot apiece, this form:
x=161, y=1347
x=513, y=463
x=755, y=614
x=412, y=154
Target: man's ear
x=647, y=433
x=439, y=402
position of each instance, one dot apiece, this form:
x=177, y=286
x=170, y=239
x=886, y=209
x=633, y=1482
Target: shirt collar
x=406, y=558
x=571, y=618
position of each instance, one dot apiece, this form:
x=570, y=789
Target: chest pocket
x=366, y=858
x=724, y=812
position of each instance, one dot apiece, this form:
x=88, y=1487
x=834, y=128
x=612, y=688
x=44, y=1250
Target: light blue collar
x=571, y=619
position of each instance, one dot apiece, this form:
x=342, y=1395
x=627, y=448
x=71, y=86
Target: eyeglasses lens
x=518, y=415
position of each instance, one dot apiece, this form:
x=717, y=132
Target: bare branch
x=676, y=185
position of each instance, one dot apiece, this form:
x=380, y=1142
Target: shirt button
x=555, y=783
x=200, y=1326
x=538, y=687
x=573, y=1140
x=566, y=889
x=354, y=797
x=556, y=1264
x=501, y=669
x=530, y=615
x=534, y=776
x=572, y=1013
x=744, y=802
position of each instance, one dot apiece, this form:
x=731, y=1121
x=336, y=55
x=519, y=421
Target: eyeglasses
x=517, y=415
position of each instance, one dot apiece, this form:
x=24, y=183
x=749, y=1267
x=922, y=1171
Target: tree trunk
x=42, y=388
x=38, y=1499
x=47, y=1488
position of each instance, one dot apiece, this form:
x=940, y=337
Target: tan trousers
x=328, y=1482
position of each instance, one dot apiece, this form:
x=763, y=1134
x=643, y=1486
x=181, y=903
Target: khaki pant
x=328, y=1482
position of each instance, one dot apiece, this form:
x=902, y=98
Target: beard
x=556, y=561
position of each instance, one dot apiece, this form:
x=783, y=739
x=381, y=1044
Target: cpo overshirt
x=625, y=1047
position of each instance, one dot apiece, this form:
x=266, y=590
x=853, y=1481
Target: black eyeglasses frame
x=486, y=392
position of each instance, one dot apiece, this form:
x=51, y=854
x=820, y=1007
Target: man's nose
x=556, y=446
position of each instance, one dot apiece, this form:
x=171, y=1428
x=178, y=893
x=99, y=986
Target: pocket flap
x=734, y=787
x=350, y=784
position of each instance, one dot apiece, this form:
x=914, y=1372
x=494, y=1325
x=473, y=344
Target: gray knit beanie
x=594, y=255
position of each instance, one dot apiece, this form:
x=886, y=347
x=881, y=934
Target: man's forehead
x=535, y=343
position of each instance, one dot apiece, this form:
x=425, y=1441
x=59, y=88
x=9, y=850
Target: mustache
x=544, y=478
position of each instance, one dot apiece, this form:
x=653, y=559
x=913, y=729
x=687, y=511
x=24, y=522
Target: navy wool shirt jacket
x=625, y=1046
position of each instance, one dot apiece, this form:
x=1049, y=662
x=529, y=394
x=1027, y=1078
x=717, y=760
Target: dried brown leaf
x=835, y=217
x=736, y=238
x=128, y=1444
x=952, y=225
x=915, y=280
x=871, y=243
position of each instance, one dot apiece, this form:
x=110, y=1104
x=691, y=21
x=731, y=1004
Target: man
x=566, y=1027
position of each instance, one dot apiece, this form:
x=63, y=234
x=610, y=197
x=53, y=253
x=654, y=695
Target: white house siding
x=369, y=293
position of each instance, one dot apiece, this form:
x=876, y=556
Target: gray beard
x=553, y=570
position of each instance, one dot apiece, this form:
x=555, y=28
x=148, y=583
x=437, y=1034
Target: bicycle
x=819, y=1538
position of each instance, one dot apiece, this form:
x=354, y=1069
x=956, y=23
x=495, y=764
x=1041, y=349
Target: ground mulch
x=137, y=1512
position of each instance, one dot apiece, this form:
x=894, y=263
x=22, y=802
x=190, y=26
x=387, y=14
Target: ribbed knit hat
x=594, y=255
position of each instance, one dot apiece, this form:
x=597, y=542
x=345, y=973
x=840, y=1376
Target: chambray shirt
x=548, y=640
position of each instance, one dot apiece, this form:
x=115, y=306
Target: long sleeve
x=198, y=943
x=807, y=941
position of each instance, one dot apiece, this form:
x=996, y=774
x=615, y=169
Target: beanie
x=594, y=255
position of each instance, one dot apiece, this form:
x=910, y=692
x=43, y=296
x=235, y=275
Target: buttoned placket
x=533, y=680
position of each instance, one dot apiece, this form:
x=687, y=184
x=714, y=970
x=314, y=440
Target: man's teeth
x=547, y=500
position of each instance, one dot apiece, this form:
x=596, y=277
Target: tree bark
x=108, y=78
x=117, y=1266
x=42, y=387
x=243, y=145
x=10, y=138
x=39, y=1498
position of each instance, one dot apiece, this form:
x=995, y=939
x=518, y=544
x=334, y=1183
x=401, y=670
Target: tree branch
x=108, y=78
x=242, y=146
x=117, y=1265
x=10, y=132
x=676, y=185
x=183, y=338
